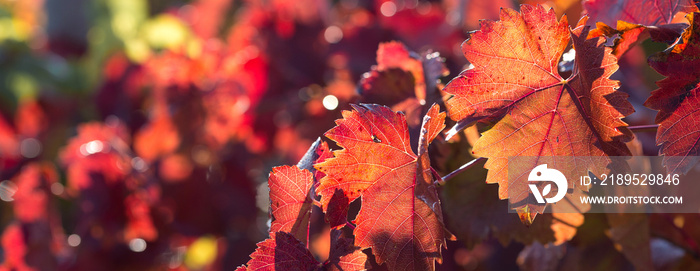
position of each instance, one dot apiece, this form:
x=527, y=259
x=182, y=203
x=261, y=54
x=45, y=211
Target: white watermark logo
x=542, y=174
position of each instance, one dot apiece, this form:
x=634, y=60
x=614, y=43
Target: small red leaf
x=344, y=255
x=677, y=100
x=398, y=76
x=282, y=252
x=400, y=217
x=96, y=149
x=139, y=222
x=31, y=201
x=637, y=20
x=158, y=138
x=15, y=247
x=290, y=201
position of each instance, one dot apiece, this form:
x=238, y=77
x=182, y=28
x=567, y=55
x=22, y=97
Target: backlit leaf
x=514, y=84
x=647, y=12
x=637, y=20
x=400, y=217
x=282, y=252
x=677, y=100
x=290, y=201
x=344, y=254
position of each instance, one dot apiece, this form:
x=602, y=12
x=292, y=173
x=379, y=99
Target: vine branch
x=461, y=169
x=349, y=225
x=644, y=128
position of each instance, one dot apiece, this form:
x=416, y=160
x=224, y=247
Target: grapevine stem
x=644, y=128
x=464, y=167
x=349, y=225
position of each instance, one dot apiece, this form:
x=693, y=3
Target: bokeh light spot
x=74, y=240
x=333, y=34
x=137, y=245
x=388, y=9
x=330, y=102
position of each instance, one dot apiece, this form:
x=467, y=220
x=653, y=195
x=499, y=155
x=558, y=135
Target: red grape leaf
x=394, y=54
x=401, y=74
x=628, y=34
x=338, y=204
x=337, y=209
x=30, y=119
x=9, y=143
x=317, y=153
x=16, y=247
x=647, y=12
x=677, y=100
x=138, y=215
x=344, y=254
x=158, y=138
x=282, y=252
x=290, y=203
x=400, y=217
x=537, y=113
x=32, y=199
x=30, y=243
x=323, y=152
x=387, y=87
x=637, y=20
x=97, y=149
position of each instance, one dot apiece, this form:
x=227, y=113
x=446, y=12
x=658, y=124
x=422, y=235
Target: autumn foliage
x=338, y=135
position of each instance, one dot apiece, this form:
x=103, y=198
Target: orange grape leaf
x=401, y=217
x=627, y=34
x=677, y=100
x=647, y=12
x=514, y=83
x=158, y=138
x=637, y=20
x=290, y=204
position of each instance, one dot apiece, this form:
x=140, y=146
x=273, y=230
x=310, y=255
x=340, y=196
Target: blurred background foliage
x=138, y=135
